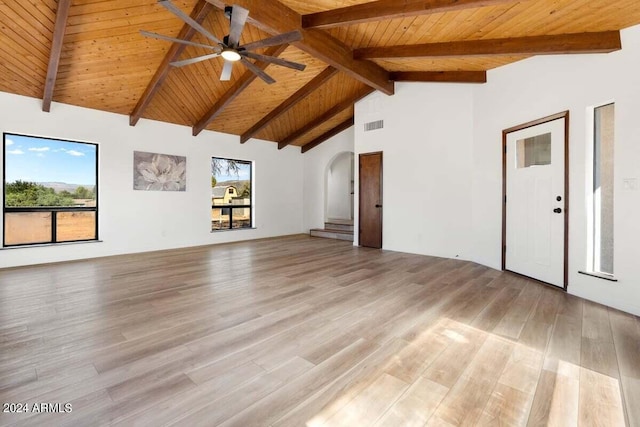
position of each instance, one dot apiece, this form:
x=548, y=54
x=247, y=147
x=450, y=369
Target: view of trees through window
x=50, y=190
x=231, y=196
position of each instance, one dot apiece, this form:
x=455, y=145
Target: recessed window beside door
x=602, y=180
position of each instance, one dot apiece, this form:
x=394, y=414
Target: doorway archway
x=339, y=179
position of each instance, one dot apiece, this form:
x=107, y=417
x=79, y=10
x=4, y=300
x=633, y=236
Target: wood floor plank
x=599, y=356
x=625, y=329
x=631, y=391
x=91, y=403
x=318, y=407
x=600, y=400
x=514, y=320
x=496, y=309
x=370, y=404
x=415, y=406
x=556, y=401
x=291, y=394
x=47, y=382
x=19, y=377
x=453, y=361
x=566, y=342
x=135, y=403
x=184, y=403
x=595, y=323
x=522, y=370
x=303, y=331
x=506, y=407
x=417, y=356
x=465, y=402
x=222, y=407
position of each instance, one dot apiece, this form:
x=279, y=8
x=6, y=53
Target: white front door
x=535, y=202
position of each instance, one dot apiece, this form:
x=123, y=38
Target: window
x=50, y=191
x=231, y=194
x=534, y=151
x=602, y=232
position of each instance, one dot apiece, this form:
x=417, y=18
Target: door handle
x=557, y=210
x=378, y=206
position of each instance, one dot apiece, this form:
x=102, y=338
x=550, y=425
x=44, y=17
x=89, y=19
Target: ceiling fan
x=229, y=47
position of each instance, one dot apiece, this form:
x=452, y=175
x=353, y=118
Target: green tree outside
x=246, y=190
x=83, y=193
x=30, y=194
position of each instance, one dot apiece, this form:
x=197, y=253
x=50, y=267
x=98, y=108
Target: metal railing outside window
x=42, y=225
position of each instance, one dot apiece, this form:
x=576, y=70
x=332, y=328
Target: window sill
x=46, y=245
x=233, y=229
x=599, y=275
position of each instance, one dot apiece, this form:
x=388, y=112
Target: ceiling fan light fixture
x=230, y=54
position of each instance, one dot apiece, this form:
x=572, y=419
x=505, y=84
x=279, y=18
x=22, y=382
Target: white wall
x=316, y=162
x=427, y=155
x=542, y=86
x=338, y=187
x=136, y=221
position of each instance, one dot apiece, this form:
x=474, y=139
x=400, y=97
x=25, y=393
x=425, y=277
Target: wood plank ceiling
x=91, y=54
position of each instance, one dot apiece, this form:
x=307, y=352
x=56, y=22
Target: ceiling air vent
x=378, y=124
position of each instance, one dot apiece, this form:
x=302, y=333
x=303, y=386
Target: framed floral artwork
x=159, y=172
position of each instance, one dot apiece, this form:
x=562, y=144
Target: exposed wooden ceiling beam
x=234, y=91
x=288, y=103
x=274, y=18
x=602, y=42
x=199, y=13
x=388, y=9
x=333, y=132
x=328, y=115
x=62, y=14
x=440, y=76
x=332, y=51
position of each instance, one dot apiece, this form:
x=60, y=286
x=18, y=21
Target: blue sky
x=244, y=174
x=46, y=160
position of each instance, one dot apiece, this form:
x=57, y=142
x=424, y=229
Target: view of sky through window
x=49, y=160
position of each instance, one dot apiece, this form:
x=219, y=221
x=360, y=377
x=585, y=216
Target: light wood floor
x=302, y=331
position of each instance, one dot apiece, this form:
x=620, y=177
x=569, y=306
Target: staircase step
x=332, y=234
x=345, y=226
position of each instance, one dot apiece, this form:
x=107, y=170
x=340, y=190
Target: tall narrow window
x=603, y=189
x=50, y=191
x=231, y=194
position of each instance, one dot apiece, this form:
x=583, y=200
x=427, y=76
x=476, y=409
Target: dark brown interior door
x=371, y=200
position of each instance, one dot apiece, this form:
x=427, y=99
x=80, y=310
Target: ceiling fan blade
x=289, y=37
x=239, y=17
x=274, y=60
x=193, y=60
x=226, y=71
x=257, y=71
x=186, y=18
x=174, y=40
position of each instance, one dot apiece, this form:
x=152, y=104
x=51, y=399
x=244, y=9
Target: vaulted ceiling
x=90, y=53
